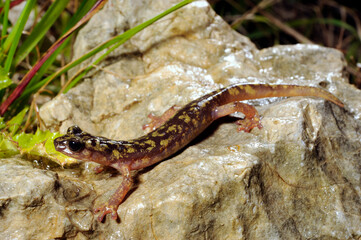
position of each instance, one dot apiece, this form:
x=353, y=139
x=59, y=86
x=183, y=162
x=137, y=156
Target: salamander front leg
x=250, y=121
x=112, y=205
x=157, y=121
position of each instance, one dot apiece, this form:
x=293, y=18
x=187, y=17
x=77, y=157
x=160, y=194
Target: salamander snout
x=68, y=145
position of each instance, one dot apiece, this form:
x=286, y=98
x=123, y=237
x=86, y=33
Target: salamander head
x=83, y=146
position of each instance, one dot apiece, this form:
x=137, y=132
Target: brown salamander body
x=175, y=133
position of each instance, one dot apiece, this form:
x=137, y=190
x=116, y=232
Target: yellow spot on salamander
x=172, y=128
x=116, y=153
x=130, y=150
x=233, y=91
x=249, y=90
x=164, y=142
x=157, y=134
x=185, y=118
x=139, y=143
x=151, y=143
x=161, y=127
x=195, y=122
x=150, y=149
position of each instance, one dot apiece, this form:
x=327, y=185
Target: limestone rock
x=41, y=204
x=297, y=178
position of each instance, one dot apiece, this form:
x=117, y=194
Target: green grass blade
x=15, y=123
x=82, y=10
x=334, y=22
x=5, y=81
x=12, y=40
x=339, y=23
x=5, y=20
x=116, y=40
x=119, y=40
x=12, y=4
x=29, y=75
x=40, y=29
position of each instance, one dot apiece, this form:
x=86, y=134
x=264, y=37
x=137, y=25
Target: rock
x=38, y=204
x=297, y=178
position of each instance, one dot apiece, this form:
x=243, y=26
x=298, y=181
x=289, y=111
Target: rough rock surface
x=297, y=178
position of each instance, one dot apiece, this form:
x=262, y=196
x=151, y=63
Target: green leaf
x=7, y=147
x=41, y=144
x=23, y=139
x=16, y=121
x=5, y=81
x=27, y=141
x=2, y=123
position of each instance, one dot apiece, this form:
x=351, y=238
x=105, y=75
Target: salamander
x=174, y=134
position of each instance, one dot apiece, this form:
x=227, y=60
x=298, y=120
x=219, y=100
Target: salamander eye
x=75, y=145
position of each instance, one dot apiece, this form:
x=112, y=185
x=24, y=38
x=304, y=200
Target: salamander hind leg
x=250, y=121
x=157, y=121
x=111, y=206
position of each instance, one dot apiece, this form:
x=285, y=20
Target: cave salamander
x=178, y=128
